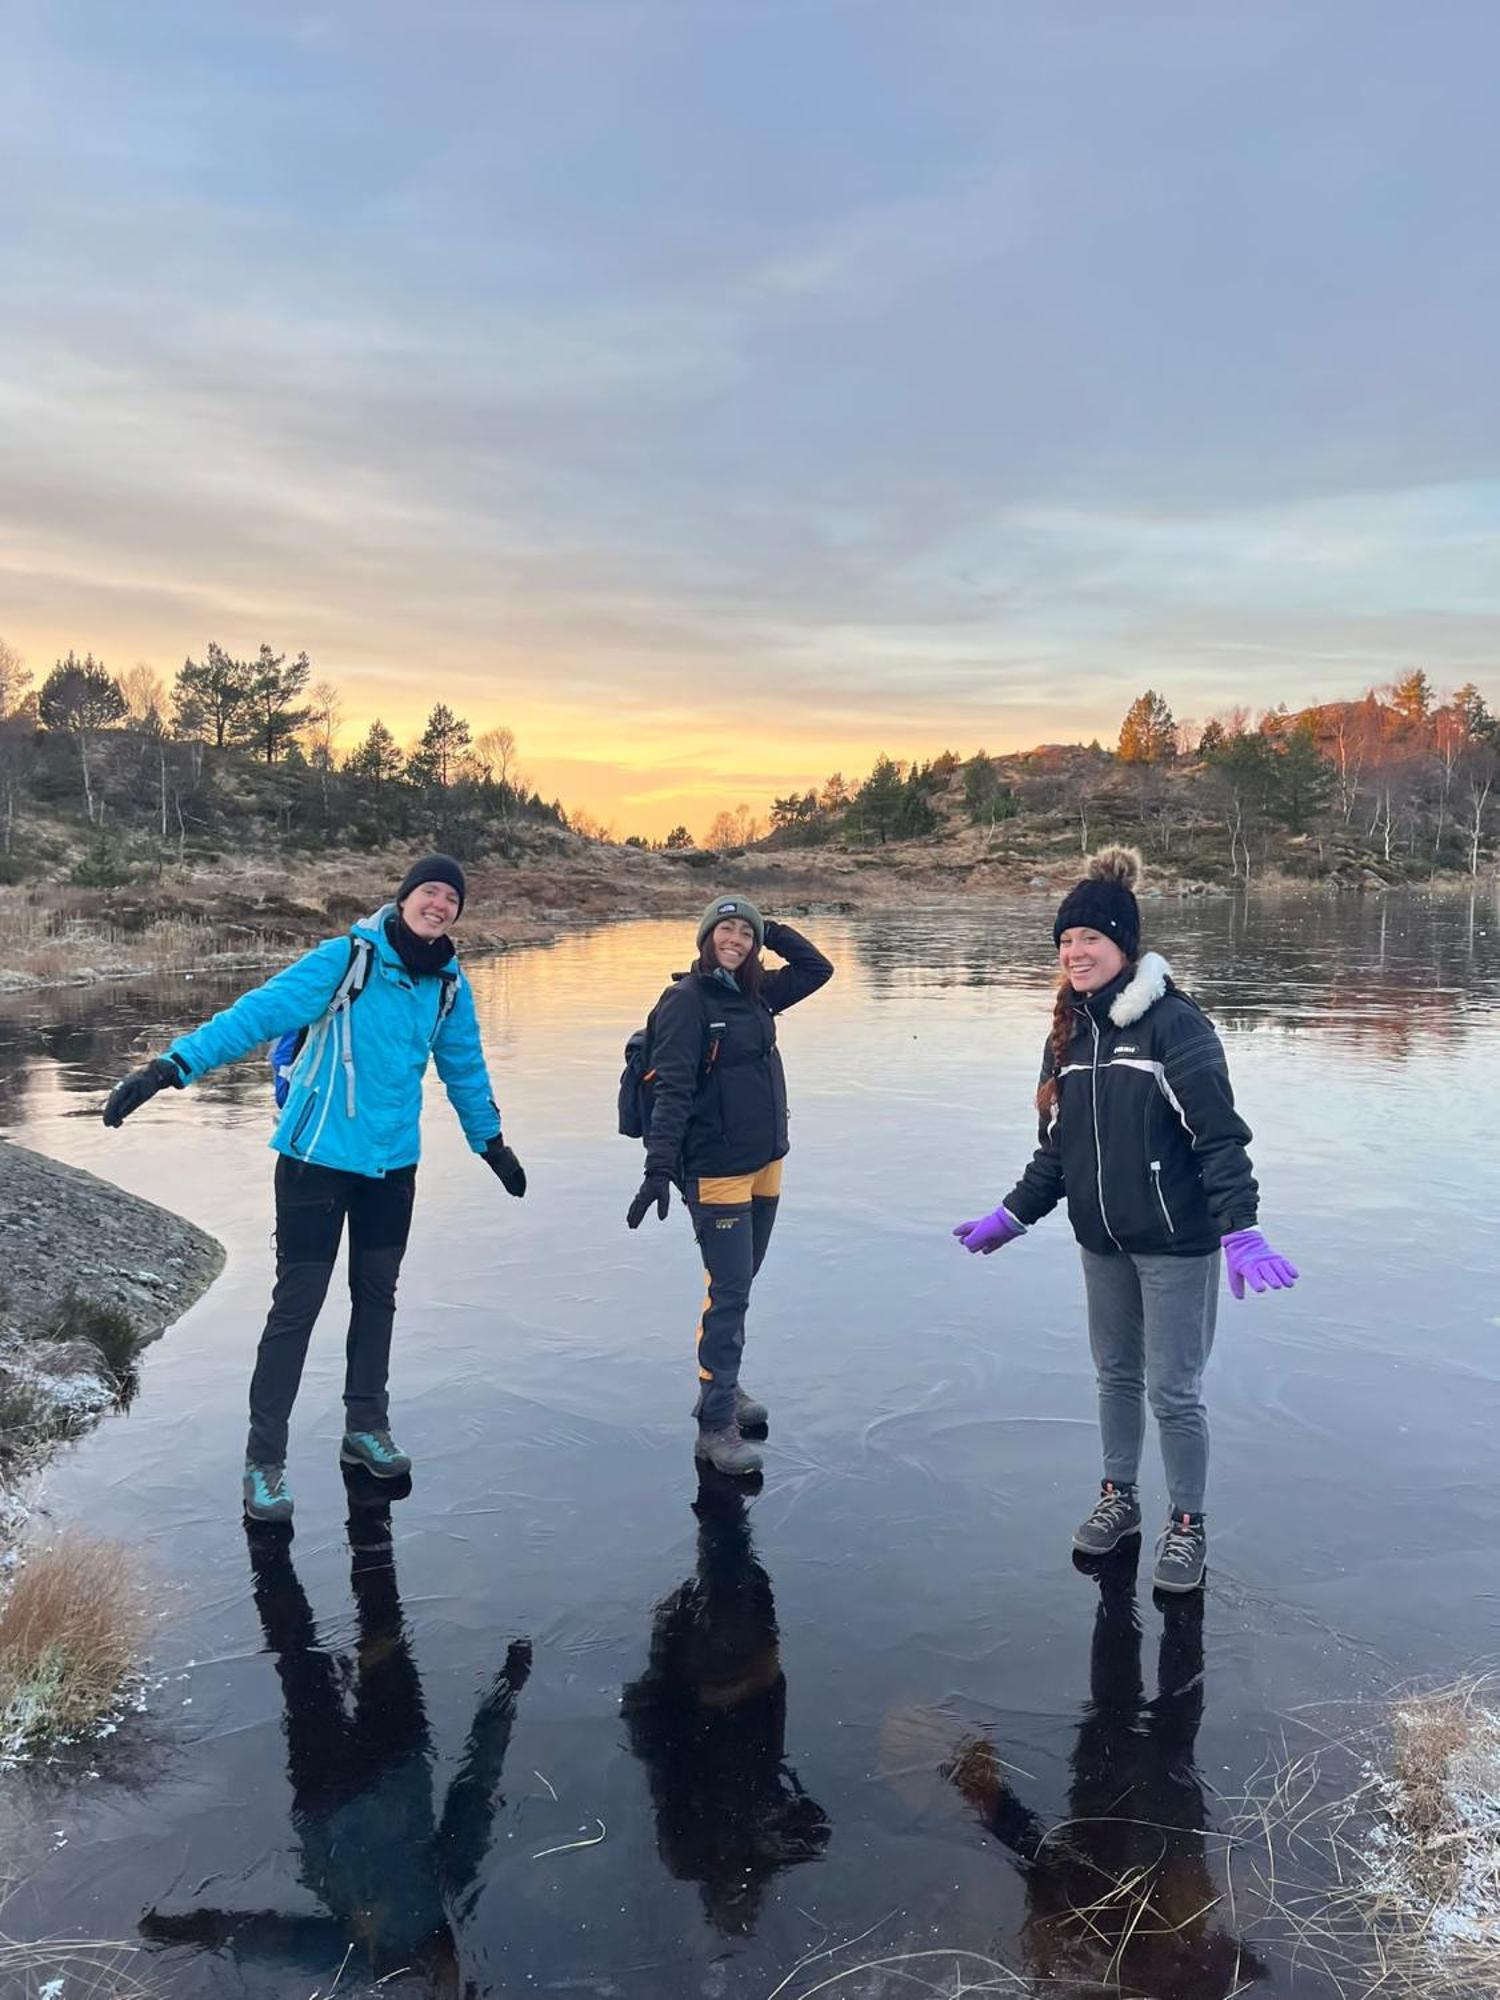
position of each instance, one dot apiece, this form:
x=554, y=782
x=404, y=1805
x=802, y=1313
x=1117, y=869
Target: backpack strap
x=356, y=973
x=351, y=985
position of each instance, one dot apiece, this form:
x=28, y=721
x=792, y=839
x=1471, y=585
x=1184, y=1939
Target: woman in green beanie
x=718, y=1130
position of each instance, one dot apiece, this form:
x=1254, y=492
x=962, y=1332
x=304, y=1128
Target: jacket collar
x=373, y=928
x=1134, y=993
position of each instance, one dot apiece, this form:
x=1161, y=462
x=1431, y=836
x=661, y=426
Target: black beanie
x=1104, y=900
x=434, y=868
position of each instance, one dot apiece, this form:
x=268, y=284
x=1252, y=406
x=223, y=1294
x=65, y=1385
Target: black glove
x=503, y=1163
x=140, y=1087
x=654, y=1188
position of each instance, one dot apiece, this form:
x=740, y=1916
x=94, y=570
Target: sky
x=723, y=392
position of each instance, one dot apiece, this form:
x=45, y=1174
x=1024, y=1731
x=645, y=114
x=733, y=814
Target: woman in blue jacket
x=348, y=1140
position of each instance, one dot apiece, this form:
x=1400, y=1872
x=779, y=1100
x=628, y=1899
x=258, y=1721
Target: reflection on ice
x=708, y=1720
x=393, y=1874
x=1121, y=1891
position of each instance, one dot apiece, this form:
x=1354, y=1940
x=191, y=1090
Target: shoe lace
x=1111, y=1507
x=1180, y=1542
x=273, y=1479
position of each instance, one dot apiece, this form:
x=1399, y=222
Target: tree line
x=242, y=746
x=1403, y=776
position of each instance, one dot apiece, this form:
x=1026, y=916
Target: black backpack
x=638, y=1078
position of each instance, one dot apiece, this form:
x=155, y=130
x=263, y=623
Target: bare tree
x=1481, y=767
x=323, y=720
x=724, y=831
x=496, y=751
x=15, y=679
x=145, y=695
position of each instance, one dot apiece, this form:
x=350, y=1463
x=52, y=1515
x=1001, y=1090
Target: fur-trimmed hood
x=1147, y=984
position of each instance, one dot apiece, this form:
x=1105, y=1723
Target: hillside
x=123, y=849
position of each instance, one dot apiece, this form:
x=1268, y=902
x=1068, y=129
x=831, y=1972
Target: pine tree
x=82, y=696
x=378, y=760
x=1148, y=735
x=437, y=757
x=880, y=799
x=269, y=716
x=209, y=694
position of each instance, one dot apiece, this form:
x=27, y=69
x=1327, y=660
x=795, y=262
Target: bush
x=100, y=868
x=109, y=1330
x=24, y=1415
x=70, y=1634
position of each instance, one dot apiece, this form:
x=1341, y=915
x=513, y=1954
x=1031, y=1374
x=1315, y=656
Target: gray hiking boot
x=377, y=1452
x=1181, y=1554
x=1117, y=1513
x=748, y=1413
x=727, y=1451
x=267, y=1495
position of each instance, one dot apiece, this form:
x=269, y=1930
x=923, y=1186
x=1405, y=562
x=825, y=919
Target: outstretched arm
x=473, y=1796
x=293, y=999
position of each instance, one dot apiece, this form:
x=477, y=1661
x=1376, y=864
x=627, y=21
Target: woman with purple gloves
x=1140, y=1134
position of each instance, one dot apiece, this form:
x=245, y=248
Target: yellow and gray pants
x=733, y=1215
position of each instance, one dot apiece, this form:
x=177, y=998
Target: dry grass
x=62, y=940
x=70, y=1636
x=70, y=1969
x=1379, y=1852
x=90, y=1327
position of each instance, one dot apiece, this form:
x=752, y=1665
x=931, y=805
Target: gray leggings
x=1151, y=1329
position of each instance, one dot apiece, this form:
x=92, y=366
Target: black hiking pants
x=312, y=1204
x=733, y=1215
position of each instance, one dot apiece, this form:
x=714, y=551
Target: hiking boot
x=377, y=1452
x=267, y=1495
x=1181, y=1554
x=1117, y=1513
x=727, y=1451
x=748, y=1413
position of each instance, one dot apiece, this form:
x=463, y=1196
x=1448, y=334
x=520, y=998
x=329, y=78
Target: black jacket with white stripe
x=1144, y=1140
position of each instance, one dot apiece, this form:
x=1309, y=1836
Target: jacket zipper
x=1098, y=1143
x=1156, y=1183
x=301, y=1125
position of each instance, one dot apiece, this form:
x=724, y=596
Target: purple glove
x=989, y=1232
x=1252, y=1261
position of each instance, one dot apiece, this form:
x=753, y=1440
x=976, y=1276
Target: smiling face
x=430, y=909
x=733, y=941
x=1089, y=959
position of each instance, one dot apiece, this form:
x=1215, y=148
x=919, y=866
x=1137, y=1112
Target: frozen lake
x=856, y=1702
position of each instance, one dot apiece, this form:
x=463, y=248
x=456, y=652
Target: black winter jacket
x=732, y=1119
x=1145, y=1141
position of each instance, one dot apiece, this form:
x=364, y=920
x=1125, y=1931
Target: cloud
x=640, y=374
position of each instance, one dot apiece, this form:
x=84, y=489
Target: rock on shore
x=61, y=1229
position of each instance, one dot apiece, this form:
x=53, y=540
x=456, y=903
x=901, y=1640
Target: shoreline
x=58, y=937
x=122, y=1254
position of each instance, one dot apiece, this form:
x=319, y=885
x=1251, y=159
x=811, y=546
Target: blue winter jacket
x=355, y=1100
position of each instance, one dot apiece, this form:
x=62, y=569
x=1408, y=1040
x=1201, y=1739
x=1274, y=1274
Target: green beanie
x=732, y=906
